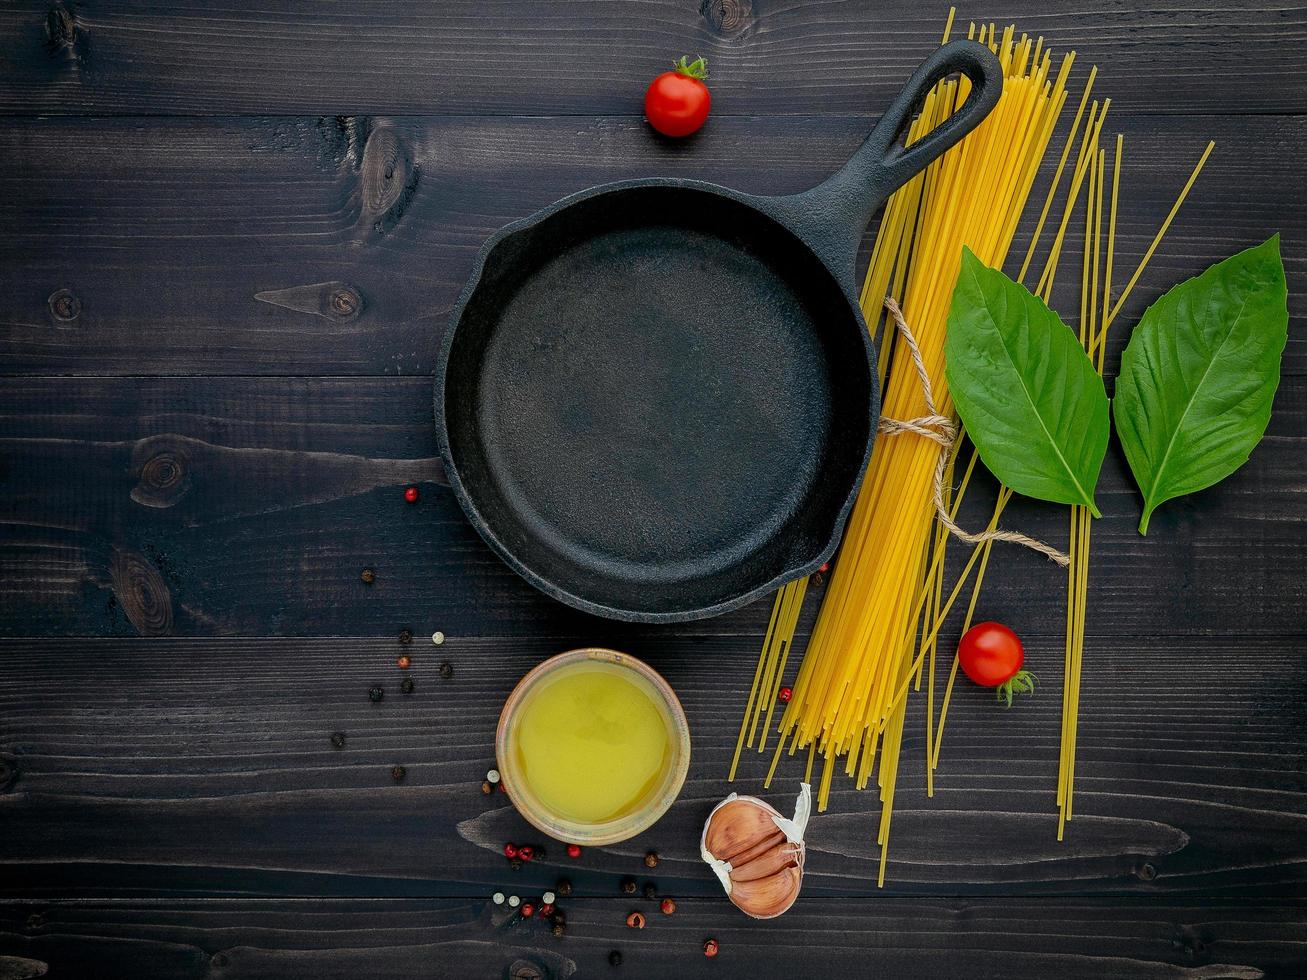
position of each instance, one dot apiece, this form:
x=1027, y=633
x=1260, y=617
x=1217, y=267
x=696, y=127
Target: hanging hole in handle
x=965, y=71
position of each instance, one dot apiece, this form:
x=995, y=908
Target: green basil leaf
x=1199, y=374
x=1024, y=387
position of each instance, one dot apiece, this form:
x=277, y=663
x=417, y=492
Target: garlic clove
x=772, y=861
x=766, y=898
x=738, y=826
x=758, y=848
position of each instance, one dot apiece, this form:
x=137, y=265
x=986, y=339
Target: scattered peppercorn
x=651, y=859
x=437, y=637
x=406, y=636
x=785, y=693
x=614, y=958
x=376, y=693
x=446, y=669
x=510, y=850
x=368, y=576
x=650, y=892
x=403, y=662
x=559, y=916
x=574, y=850
x=515, y=864
x=559, y=929
x=668, y=906
x=635, y=920
x=564, y=888
x=528, y=910
x=546, y=910
x=526, y=852
x=540, y=852
x=486, y=788
x=411, y=495
x=406, y=686
x=710, y=948
x=397, y=773
x=629, y=886
x=338, y=740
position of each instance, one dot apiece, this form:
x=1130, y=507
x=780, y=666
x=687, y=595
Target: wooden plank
x=220, y=506
x=462, y=56
x=191, y=767
x=1071, y=938
x=299, y=246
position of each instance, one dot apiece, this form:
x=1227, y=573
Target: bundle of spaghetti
x=846, y=695
x=887, y=600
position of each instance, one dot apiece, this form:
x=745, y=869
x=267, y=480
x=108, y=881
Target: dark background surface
x=262, y=213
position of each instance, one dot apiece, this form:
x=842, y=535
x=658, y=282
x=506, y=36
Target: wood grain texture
x=191, y=767
x=250, y=506
x=903, y=938
x=774, y=56
x=302, y=246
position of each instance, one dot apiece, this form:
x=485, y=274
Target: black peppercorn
x=376, y=693
x=629, y=886
x=540, y=852
x=368, y=576
x=405, y=636
x=559, y=929
x=650, y=892
x=651, y=859
x=615, y=958
x=446, y=669
x=338, y=740
x=397, y=773
x=563, y=889
x=515, y=864
x=406, y=686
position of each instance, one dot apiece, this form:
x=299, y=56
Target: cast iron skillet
x=656, y=398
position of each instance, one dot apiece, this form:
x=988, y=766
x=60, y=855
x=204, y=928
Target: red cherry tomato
x=991, y=655
x=677, y=102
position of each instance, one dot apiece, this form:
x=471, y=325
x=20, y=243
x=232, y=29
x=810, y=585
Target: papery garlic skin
x=756, y=853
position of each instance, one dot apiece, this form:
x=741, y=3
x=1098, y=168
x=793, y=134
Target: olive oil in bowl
x=593, y=746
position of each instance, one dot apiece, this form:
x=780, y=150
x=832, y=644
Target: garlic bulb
x=757, y=853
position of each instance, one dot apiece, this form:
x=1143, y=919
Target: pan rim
x=487, y=532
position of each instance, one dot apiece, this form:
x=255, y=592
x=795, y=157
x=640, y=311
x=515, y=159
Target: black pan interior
x=657, y=400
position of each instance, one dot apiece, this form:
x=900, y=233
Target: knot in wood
x=525, y=970
x=64, y=306
x=60, y=26
x=387, y=178
x=345, y=302
x=1146, y=872
x=729, y=18
x=142, y=594
x=163, y=471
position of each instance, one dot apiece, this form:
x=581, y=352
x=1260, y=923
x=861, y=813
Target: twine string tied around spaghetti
x=941, y=430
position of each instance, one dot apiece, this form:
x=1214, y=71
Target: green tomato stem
x=697, y=69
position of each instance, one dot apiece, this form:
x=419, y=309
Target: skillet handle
x=833, y=215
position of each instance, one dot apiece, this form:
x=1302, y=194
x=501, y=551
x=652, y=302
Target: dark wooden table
x=229, y=236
